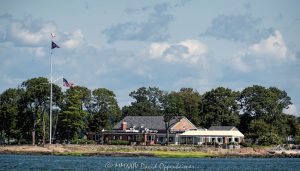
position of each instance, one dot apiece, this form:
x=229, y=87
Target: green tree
x=36, y=102
x=73, y=118
x=9, y=112
x=220, y=107
x=269, y=139
x=191, y=104
x=257, y=129
x=147, y=102
x=172, y=106
x=105, y=110
x=286, y=125
x=264, y=103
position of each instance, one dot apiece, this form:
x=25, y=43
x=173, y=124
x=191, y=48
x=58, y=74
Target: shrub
x=118, y=142
x=233, y=143
x=297, y=139
x=245, y=144
x=269, y=139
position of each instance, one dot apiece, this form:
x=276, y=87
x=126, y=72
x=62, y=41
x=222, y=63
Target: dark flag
x=54, y=45
x=67, y=84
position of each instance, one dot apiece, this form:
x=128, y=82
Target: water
x=43, y=162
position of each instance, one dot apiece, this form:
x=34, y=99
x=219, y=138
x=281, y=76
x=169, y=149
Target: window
x=236, y=139
x=171, y=139
x=161, y=139
x=95, y=137
x=150, y=138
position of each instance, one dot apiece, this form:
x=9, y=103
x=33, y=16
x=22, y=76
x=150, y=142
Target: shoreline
x=147, y=151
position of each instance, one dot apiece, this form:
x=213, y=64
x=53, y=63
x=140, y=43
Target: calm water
x=44, y=162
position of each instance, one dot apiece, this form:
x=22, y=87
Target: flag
x=54, y=45
x=66, y=83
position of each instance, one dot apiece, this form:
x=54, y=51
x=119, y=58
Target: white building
x=215, y=134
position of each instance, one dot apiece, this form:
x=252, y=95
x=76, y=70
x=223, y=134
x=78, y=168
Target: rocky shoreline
x=144, y=151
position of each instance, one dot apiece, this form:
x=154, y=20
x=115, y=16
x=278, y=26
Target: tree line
x=256, y=111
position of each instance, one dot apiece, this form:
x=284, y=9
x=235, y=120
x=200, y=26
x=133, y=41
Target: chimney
x=124, y=125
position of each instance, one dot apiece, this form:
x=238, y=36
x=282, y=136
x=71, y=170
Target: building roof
x=150, y=122
x=222, y=128
x=212, y=133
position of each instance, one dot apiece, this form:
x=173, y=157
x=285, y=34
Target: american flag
x=66, y=83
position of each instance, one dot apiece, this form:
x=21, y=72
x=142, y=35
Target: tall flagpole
x=53, y=45
x=50, y=127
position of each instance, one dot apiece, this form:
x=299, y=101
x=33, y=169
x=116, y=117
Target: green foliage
x=264, y=103
x=35, y=102
x=9, y=111
x=245, y=144
x=191, y=100
x=257, y=129
x=105, y=111
x=269, y=138
x=257, y=111
x=220, y=107
x=297, y=138
x=147, y=102
x=72, y=118
x=118, y=142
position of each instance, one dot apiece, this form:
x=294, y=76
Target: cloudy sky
x=123, y=45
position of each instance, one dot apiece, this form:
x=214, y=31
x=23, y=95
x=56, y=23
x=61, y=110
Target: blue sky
x=123, y=45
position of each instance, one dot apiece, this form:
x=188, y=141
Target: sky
x=124, y=45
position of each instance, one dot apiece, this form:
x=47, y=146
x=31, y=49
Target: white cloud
x=260, y=55
x=273, y=46
x=190, y=51
x=156, y=50
x=29, y=32
x=195, y=47
x=74, y=39
x=291, y=110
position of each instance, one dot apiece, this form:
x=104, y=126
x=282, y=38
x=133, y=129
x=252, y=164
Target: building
x=148, y=130
x=214, y=135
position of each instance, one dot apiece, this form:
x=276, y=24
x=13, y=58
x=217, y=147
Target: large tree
x=36, y=103
x=9, y=111
x=147, y=102
x=172, y=106
x=73, y=118
x=220, y=107
x=264, y=103
x=191, y=104
x=104, y=110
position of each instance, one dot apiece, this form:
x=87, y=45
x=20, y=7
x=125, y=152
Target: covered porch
x=199, y=137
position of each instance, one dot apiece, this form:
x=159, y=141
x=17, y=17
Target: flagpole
x=53, y=45
x=50, y=127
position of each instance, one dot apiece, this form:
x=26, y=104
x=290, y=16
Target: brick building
x=148, y=130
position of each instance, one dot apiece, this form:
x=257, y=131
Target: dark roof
x=225, y=128
x=150, y=122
